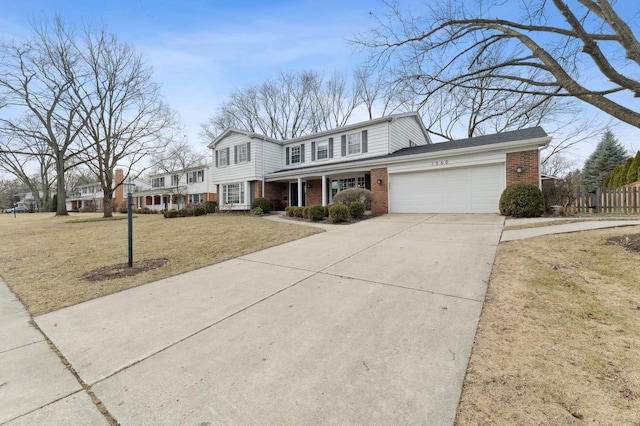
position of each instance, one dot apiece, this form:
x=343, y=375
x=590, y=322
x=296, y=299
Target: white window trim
x=325, y=144
x=242, y=153
x=354, y=135
x=222, y=155
x=291, y=149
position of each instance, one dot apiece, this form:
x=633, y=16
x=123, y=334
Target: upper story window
x=196, y=176
x=157, y=182
x=222, y=157
x=353, y=144
x=322, y=150
x=175, y=180
x=241, y=151
x=295, y=155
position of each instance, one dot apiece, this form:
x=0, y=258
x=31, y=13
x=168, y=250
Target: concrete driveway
x=371, y=323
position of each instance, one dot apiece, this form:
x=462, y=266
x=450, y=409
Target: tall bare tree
x=289, y=106
x=458, y=44
x=35, y=171
x=35, y=82
x=125, y=117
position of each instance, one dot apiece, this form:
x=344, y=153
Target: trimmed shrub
x=338, y=213
x=263, y=203
x=210, y=206
x=357, y=209
x=186, y=212
x=522, y=200
x=123, y=209
x=199, y=211
x=168, y=214
x=316, y=212
x=297, y=211
x=305, y=212
x=257, y=211
x=351, y=195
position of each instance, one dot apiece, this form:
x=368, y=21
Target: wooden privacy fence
x=609, y=200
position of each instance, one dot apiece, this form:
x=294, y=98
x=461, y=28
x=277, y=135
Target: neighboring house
x=392, y=156
x=28, y=201
x=89, y=196
x=176, y=189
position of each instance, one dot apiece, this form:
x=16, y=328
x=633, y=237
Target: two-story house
x=392, y=156
x=176, y=189
x=89, y=196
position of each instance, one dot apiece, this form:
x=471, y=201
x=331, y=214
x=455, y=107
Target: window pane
x=322, y=150
x=353, y=143
x=295, y=154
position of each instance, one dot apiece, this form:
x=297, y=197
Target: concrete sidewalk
x=35, y=387
x=587, y=225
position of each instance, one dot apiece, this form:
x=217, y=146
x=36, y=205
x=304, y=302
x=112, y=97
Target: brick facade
x=380, y=196
x=314, y=194
x=277, y=193
x=528, y=161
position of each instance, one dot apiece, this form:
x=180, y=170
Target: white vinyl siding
x=402, y=130
x=474, y=189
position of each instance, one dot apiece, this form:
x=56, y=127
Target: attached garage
x=475, y=189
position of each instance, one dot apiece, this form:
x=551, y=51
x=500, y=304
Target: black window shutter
x=216, y=158
x=248, y=151
x=313, y=151
x=343, y=140
x=228, y=162
x=235, y=154
x=367, y=181
x=287, y=155
x=302, y=153
x=364, y=141
x=330, y=147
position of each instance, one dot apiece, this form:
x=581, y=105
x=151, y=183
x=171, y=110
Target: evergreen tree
x=607, y=155
x=633, y=174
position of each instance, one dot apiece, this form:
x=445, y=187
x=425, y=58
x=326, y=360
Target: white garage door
x=461, y=190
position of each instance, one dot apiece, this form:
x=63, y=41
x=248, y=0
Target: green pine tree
x=607, y=155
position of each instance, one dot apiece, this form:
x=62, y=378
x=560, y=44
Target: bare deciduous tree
x=125, y=118
x=35, y=83
x=457, y=46
x=35, y=170
x=292, y=105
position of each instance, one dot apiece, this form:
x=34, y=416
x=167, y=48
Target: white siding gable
x=405, y=131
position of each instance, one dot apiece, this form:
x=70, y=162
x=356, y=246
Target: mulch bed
x=122, y=270
x=628, y=242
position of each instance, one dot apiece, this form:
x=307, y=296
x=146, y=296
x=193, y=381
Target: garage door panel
x=461, y=190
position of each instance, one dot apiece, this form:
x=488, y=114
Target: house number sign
x=440, y=162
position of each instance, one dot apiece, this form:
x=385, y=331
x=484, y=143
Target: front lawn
x=558, y=338
x=43, y=258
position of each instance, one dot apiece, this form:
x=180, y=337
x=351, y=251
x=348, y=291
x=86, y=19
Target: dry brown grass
x=42, y=257
x=558, y=339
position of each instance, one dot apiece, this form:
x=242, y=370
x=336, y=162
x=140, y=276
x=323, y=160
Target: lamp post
x=130, y=222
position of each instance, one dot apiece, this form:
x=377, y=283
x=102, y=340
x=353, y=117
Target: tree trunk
x=107, y=204
x=61, y=208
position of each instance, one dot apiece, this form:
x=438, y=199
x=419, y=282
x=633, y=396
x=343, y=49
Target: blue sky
x=202, y=50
